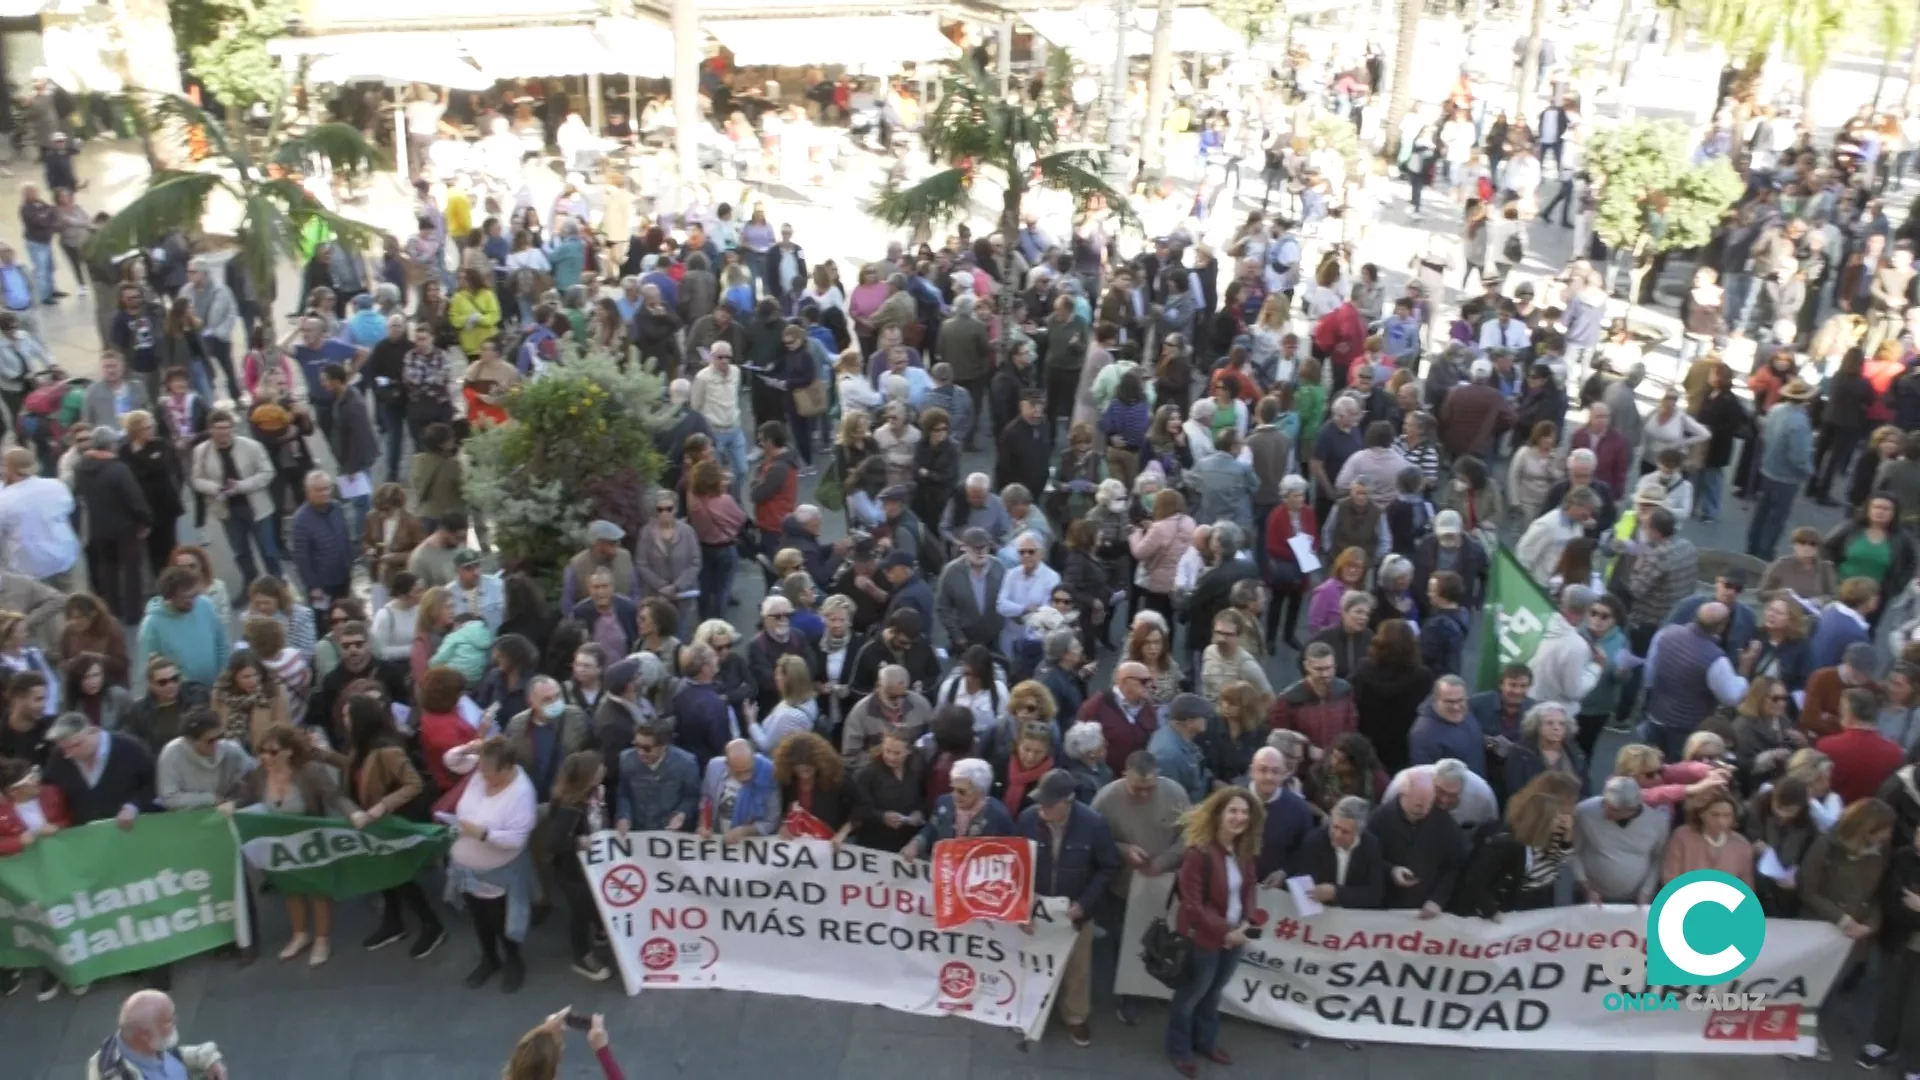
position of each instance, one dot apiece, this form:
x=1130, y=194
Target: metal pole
x=1119, y=164
x=1003, y=62
x=1159, y=73
x=596, y=103
x=686, y=95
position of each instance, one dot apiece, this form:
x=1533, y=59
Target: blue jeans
x=394, y=419
x=1770, y=513
x=41, y=258
x=717, y=564
x=1670, y=741
x=241, y=529
x=1193, y=1016
x=731, y=448
x=358, y=507
x=1707, y=486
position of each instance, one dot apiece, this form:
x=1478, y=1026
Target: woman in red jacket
x=1218, y=885
x=440, y=724
x=28, y=812
x=1293, y=517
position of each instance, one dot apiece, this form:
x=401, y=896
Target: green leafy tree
x=1805, y=30
x=275, y=210
x=977, y=132
x=226, y=45
x=1248, y=18
x=1633, y=163
x=578, y=447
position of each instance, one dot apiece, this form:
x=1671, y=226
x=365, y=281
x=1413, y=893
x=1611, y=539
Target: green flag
x=1518, y=611
x=97, y=900
x=307, y=856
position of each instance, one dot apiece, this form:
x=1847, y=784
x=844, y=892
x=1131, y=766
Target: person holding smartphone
x=537, y=1055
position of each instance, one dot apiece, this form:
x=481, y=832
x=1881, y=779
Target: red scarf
x=1020, y=778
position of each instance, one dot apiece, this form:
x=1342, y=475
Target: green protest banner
x=1518, y=611
x=96, y=901
x=308, y=856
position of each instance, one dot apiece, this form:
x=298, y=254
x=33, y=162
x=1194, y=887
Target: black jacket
x=1432, y=848
x=1210, y=593
x=157, y=470
x=128, y=780
x=1003, y=396
x=115, y=505
x=1366, y=887
x=834, y=805
x=1025, y=453
x=1496, y=869
x=764, y=654
x=1085, y=864
x=922, y=666
x=1726, y=420
x=391, y=675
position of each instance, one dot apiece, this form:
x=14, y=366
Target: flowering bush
x=578, y=447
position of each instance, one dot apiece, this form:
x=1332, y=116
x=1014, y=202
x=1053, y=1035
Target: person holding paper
x=1343, y=860
x=1781, y=830
x=1292, y=538
x=1840, y=879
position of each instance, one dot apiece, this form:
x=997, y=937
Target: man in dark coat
x=1025, y=454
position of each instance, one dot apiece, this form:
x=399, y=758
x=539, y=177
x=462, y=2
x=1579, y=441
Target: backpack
x=1514, y=251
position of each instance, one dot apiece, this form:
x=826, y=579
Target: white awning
x=401, y=57
x=641, y=47
x=1086, y=33
x=535, y=52
x=1197, y=30
x=850, y=40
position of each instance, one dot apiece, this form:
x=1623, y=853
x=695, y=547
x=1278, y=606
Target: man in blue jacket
x=739, y=798
x=1445, y=728
x=1074, y=857
x=702, y=721
x=659, y=784
x=323, y=547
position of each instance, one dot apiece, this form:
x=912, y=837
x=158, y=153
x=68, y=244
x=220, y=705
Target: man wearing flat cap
x=604, y=549
x=910, y=590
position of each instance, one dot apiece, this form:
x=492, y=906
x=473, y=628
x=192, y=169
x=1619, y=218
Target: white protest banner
x=797, y=917
x=1535, y=980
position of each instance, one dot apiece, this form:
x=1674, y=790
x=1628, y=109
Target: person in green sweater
x=182, y=625
x=1309, y=401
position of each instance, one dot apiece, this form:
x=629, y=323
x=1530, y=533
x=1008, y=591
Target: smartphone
x=577, y=1022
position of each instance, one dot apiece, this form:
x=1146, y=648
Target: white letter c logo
x=1672, y=928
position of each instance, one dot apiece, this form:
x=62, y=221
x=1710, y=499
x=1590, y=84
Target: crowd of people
x=1093, y=641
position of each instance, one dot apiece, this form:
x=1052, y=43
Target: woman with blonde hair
x=1667, y=785
x=797, y=712
x=1535, y=468
x=156, y=469
x=1708, y=840
x=1515, y=862
x=289, y=781
x=430, y=626
x=1157, y=549
x=858, y=396
x=813, y=778
x=1815, y=769
x=1218, y=886
x=1763, y=734
x=1784, y=653
x=1268, y=330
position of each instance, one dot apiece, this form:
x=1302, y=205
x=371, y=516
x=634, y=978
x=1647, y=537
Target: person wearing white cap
x=604, y=550
x=1450, y=547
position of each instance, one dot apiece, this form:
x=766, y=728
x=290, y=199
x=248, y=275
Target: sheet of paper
x=1303, y=553
x=1300, y=887
x=1628, y=661
x=1799, y=701
x=355, y=485
x=1770, y=865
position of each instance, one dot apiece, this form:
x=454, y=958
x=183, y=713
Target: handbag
x=829, y=492
x=810, y=400
x=1167, y=955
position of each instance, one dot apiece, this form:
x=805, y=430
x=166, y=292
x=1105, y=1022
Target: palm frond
x=172, y=200
x=1077, y=172
x=963, y=122
x=266, y=237
x=944, y=196
x=1059, y=86
x=301, y=208
x=341, y=145
x=161, y=108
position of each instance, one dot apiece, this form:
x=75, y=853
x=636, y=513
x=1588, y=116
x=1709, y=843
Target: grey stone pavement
x=382, y=1017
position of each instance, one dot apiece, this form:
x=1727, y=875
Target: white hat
x=1448, y=522
x=1481, y=368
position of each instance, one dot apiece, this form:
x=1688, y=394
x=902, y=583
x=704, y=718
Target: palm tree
x=979, y=132
x=1530, y=60
x=1805, y=30
x=148, y=62
x=275, y=210
x=1400, y=96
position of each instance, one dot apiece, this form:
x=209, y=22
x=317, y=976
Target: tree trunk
x=1004, y=290
x=1400, y=92
x=1617, y=63
x=1676, y=31
x=1530, y=62
x=1913, y=81
x=150, y=64
x=1118, y=168
x=1159, y=71
x=1886, y=65
x=687, y=45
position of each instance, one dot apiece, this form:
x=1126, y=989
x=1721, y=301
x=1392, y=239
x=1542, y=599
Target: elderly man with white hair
x=1343, y=859
x=1424, y=851
x=548, y=731
x=1337, y=441
x=716, y=395
x=683, y=422
x=982, y=509
x=146, y=1046
x=1466, y=797
x=1567, y=666
x=893, y=707
x=968, y=810
x=1618, y=845
x=1583, y=470
x=1547, y=537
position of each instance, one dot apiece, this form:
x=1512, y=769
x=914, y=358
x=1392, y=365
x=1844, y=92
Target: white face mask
x=1119, y=503
x=1459, y=485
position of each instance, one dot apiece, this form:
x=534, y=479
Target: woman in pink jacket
x=1667, y=785
x=1156, y=552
